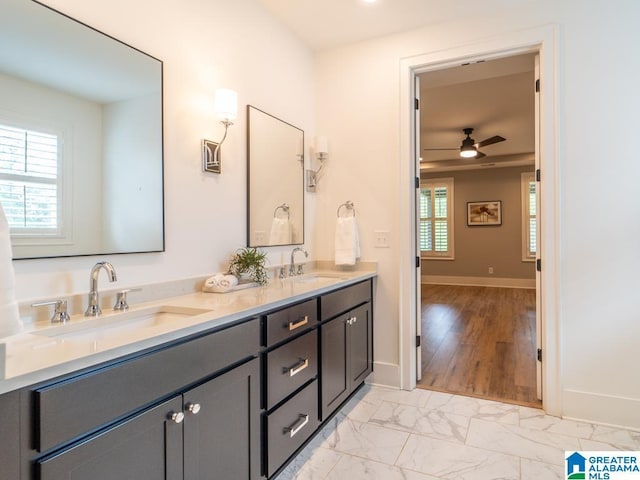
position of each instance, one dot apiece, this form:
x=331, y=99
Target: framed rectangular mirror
x=275, y=156
x=81, y=152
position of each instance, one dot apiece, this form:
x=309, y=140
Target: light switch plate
x=260, y=237
x=381, y=238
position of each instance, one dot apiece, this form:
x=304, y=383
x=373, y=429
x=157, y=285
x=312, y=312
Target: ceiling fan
x=469, y=147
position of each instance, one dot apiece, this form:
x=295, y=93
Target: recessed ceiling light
x=369, y=1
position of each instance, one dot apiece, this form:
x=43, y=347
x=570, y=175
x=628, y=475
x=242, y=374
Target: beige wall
x=478, y=248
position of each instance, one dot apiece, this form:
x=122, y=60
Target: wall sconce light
x=322, y=152
x=225, y=107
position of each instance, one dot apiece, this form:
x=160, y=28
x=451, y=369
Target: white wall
x=359, y=109
x=204, y=45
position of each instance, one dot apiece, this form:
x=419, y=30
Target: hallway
x=480, y=341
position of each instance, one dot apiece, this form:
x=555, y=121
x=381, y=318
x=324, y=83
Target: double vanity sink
x=52, y=349
x=200, y=385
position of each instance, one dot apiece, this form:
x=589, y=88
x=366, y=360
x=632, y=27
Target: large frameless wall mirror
x=81, y=156
x=275, y=151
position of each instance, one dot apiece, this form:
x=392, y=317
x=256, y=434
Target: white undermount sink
x=117, y=325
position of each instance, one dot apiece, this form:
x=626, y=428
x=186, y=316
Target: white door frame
x=544, y=41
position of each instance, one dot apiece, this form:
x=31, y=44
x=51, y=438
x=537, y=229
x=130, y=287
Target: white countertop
x=49, y=351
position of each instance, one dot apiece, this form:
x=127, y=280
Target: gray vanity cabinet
x=189, y=411
x=212, y=431
x=232, y=403
x=346, y=344
x=146, y=447
x=222, y=426
x=291, y=385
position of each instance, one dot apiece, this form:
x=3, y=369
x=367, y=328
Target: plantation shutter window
x=29, y=180
x=529, y=218
x=435, y=229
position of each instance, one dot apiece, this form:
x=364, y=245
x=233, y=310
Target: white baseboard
x=603, y=409
x=480, y=281
x=385, y=375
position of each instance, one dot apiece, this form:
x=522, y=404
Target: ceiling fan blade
x=490, y=141
x=480, y=155
x=441, y=149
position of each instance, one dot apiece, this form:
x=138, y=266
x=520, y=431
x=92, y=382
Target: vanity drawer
x=291, y=366
x=290, y=426
x=340, y=301
x=71, y=408
x=290, y=321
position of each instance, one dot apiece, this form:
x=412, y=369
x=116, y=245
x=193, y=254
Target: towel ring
x=349, y=206
x=285, y=208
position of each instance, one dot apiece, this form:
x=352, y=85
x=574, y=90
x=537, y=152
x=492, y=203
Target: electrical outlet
x=490, y=270
x=381, y=238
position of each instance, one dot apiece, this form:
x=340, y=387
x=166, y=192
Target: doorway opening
x=477, y=230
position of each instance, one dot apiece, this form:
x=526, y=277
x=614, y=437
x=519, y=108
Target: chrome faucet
x=93, y=310
x=292, y=269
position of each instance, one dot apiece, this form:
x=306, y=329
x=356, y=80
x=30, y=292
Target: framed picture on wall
x=483, y=214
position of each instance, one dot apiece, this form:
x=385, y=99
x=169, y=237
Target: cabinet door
x=360, y=345
x=335, y=382
x=146, y=447
x=222, y=426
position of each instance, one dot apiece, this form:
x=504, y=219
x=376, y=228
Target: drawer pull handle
x=304, y=321
x=351, y=321
x=193, y=408
x=176, y=417
x=296, y=427
x=299, y=367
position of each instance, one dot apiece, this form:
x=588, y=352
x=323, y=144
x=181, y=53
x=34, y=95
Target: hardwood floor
x=480, y=341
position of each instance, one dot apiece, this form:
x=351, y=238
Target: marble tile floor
x=384, y=434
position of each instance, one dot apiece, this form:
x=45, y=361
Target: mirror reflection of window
x=102, y=99
x=29, y=181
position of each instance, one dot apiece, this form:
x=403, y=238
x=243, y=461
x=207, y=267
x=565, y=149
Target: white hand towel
x=280, y=231
x=10, y=322
x=347, y=241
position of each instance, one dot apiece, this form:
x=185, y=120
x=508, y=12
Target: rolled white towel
x=228, y=281
x=221, y=280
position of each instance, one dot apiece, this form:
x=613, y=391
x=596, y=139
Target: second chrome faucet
x=292, y=267
x=93, y=310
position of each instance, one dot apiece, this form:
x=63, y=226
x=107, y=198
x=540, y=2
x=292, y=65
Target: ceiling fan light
x=468, y=151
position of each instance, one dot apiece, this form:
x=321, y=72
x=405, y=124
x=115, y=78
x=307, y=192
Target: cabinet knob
x=193, y=408
x=177, y=417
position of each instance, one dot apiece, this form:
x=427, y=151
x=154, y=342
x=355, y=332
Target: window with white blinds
x=29, y=180
x=529, y=218
x=436, y=218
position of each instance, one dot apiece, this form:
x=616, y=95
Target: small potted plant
x=249, y=262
